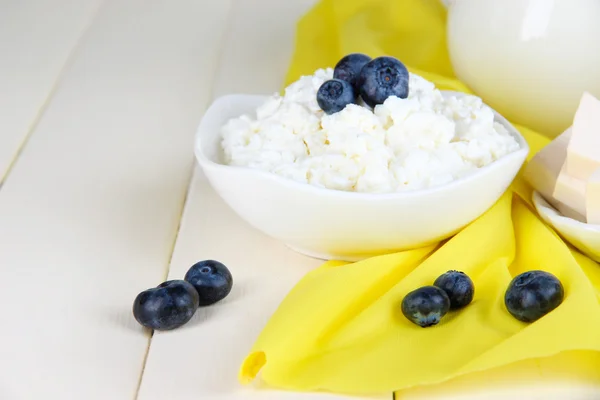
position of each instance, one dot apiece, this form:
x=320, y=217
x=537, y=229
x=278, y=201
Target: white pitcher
x=529, y=59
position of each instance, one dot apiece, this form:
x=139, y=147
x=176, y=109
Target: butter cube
x=570, y=191
x=583, y=152
x=568, y=212
x=592, y=198
x=542, y=171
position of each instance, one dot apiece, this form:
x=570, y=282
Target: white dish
x=586, y=237
x=350, y=226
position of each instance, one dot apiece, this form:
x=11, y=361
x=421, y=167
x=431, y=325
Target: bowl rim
x=206, y=162
x=544, y=208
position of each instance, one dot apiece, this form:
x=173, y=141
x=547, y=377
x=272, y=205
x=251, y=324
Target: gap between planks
x=48, y=98
x=219, y=59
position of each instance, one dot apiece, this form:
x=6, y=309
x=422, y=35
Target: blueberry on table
x=211, y=279
x=334, y=95
x=348, y=69
x=458, y=286
x=533, y=294
x=167, y=306
x=381, y=78
x=425, y=306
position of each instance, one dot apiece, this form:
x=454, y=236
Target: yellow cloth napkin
x=341, y=329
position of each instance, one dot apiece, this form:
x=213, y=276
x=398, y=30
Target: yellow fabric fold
x=341, y=329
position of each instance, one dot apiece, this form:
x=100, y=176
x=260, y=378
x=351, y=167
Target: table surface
x=100, y=199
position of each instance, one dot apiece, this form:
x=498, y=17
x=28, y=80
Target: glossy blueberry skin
x=381, y=78
x=458, y=286
x=348, y=69
x=533, y=294
x=334, y=95
x=425, y=306
x=167, y=306
x=211, y=279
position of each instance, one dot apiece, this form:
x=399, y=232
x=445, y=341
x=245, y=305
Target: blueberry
x=212, y=281
x=348, y=69
x=425, y=306
x=167, y=306
x=458, y=286
x=381, y=78
x=334, y=95
x=532, y=295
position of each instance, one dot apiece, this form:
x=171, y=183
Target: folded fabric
x=341, y=329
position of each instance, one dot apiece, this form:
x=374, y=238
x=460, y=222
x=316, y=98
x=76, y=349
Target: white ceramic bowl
x=332, y=224
x=586, y=237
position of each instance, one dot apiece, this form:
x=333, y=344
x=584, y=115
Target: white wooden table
x=100, y=199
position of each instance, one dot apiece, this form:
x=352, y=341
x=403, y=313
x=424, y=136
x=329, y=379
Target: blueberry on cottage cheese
x=211, y=279
x=533, y=294
x=334, y=95
x=425, y=306
x=381, y=78
x=393, y=150
x=167, y=306
x=458, y=286
x=348, y=69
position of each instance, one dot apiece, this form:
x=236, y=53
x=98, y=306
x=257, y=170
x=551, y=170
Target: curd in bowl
x=348, y=225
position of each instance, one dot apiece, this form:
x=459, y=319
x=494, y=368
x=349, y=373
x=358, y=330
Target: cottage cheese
x=403, y=144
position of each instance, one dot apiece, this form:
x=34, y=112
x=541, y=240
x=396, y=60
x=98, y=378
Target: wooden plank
x=259, y=47
x=201, y=359
x=36, y=38
x=564, y=376
x=89, y=214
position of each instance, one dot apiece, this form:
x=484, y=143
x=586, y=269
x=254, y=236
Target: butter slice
x=570, y=191
x=542, y=171
x=583, y=152
x=592, y=198
x=568, y=212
